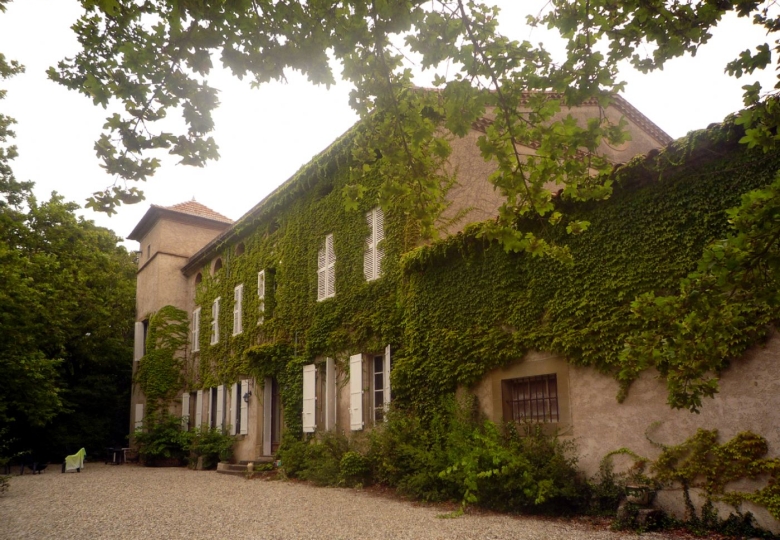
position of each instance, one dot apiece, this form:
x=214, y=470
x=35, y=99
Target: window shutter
x=185, y=411
x=238, y=300
x=244, y=411
x=379, y=250
x=220, y=406
x=199, y=409
x=322, y=277
x=267, y=416
x=138, y=344
x=331, y=257
x=309, y=398
x=368, y=254
x=387, y=397
x=356, y=392
x=196, y=330
x=330, y=394
x=234, y=411
x=261, y=296
x=139, y=415
x=215, y=321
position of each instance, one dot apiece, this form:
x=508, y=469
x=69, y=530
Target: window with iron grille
x=531, y=399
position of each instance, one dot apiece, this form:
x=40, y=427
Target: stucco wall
x=473, y=198
x=749, y=400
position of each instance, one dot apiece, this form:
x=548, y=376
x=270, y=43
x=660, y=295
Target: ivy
x=159, y=373
x=654, y=231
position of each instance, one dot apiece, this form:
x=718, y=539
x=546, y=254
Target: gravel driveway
x=131, y=502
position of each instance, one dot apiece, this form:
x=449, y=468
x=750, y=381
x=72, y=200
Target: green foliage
x=211, y=444
x=354, y=469
x=702, y=462
x=651, y=233
x=162, y=438
x=722, y=308
x=67, y=299
x=456, y=456
x=159, y=373
x=317, y=460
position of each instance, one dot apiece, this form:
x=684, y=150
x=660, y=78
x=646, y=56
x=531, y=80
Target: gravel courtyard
x=131, y=502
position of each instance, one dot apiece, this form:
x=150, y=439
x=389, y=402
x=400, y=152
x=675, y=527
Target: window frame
x=261, y=296
x=524, y=392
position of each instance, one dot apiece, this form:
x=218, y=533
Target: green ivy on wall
x=470, y=307
x=159, y=373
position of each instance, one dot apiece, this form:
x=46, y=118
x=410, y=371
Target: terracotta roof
x=189, y=211
x=194, y=208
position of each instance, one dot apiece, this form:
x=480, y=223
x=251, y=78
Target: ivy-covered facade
x=307, y=314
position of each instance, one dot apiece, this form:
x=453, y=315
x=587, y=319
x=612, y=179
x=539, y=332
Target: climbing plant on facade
x=160, y=370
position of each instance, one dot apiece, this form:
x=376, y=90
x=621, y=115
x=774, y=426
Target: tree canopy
x=154, y=57
x=67, y=300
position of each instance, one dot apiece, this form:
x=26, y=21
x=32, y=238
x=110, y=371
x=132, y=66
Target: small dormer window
x=217, y=266
x=198, y=279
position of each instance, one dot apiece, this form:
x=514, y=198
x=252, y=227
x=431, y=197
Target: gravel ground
x=131, y=502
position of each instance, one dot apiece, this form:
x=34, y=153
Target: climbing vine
x=652, y=232
x=160, y=370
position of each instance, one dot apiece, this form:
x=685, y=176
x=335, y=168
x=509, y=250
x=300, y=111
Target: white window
x=372, y=256
x=326, y=270
x=218, y=407
x=215, y=321
x=196, y=330
x=309, y=398
x=261, y=296
x=238, y=300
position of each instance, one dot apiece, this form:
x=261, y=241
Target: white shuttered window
x=356, y=392
x=234, y=400
x=261, y=296
x=220, y=407
x=196, y=330
x=326, y=270
x=372, y=256
x=309, y=398
x=243, y=415
x=238, y=301
x=215, y=321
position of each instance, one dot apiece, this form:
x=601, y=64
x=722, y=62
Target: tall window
x=531, y=399
x=196, y=330
x=326, y=270
x=238, y=300
x=215, y=321
x=261, y=296
x=372, y=256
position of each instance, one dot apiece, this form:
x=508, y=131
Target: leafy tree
x=67, y=298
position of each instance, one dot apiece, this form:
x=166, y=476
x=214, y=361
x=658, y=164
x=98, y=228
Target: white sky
x=265, y=135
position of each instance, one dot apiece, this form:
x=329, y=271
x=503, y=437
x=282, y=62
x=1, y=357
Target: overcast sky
x=265, y=135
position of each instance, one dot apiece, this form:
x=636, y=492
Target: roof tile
x=194, y=208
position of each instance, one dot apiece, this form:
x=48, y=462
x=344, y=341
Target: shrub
x=162, y=438
x=211, y=444
x=354, y=469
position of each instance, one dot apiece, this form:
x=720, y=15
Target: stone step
x=235, y=469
